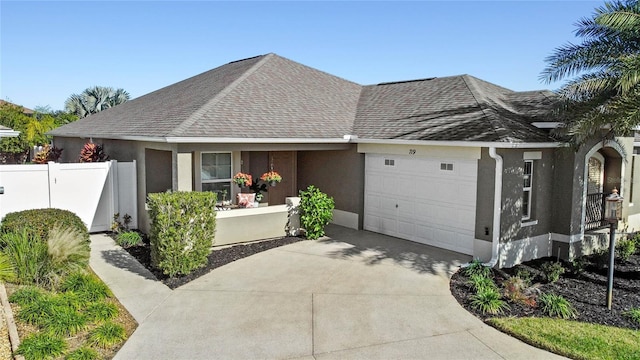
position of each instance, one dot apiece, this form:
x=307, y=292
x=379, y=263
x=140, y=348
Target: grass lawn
x=573, y=339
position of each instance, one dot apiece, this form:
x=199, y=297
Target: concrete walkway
x=357, y=295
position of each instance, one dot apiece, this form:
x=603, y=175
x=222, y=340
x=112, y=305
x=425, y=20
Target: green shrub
x=182, y=230
x=7, y=272
x=479, y=282
x=552, y=271
x=600, y=258
x=101, y=311
x=578, y=265
x=44, y=263
x=87, y=286
x=83, y=353
x=40, y=221
x=26, y=295
x=316, y=211
x=476, y=267
x=633, y=314
x=107, y=334
x=41, y=346
x=128, y=238
x=37, y=312
x=636, y=240
x=28, y=257
x=625, y=248
x=556, y=305
x=487, y=300
x=526, y=276
x=118, y=226
x=64, y=321
x=71, y=300
x=68, y=252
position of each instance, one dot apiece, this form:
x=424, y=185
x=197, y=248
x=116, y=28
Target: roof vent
x=547, y=124
x=249, y=58
x=406, y=81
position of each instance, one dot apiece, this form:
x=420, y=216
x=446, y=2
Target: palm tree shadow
x=376, y=249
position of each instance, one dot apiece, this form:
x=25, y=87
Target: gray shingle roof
x=160, y=112
x=269, y=96
x=266, y=96
x=457, y=108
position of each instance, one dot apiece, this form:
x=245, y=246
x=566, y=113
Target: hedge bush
x=316, y=211
x=38, y=222
x=182, y=230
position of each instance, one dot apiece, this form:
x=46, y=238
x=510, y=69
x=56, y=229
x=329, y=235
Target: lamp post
x=612, y=213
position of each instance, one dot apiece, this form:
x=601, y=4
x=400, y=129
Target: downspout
x=497, y=209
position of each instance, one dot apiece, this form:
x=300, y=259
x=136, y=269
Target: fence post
x=52, y=173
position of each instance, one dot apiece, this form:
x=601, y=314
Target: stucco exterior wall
x=512, y=225
x=339, y=174
x=485, y=196
x=121, y=150
x=633, y=209
x=158, y=170
x=124, y=150
x=563, y=191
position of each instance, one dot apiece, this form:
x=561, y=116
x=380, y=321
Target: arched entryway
x=604, y=166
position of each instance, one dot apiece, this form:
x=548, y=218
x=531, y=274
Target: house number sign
x=412, y=151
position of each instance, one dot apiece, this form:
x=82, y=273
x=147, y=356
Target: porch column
x=185, y=171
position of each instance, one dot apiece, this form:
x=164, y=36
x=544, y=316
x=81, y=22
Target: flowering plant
x=271, y=176
x=243, y=179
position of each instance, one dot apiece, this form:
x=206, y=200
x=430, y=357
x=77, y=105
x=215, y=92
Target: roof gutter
x=9, y=133
x=188, y=140
x=347, y=139
x=488, y=144
x=214, y=140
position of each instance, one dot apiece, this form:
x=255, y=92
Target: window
x=215, y=173
x=527, y=189
x=389, y=162
x=446, y=166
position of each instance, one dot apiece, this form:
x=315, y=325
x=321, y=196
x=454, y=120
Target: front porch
x=604, y=169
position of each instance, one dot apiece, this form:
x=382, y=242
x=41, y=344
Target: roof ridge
x=316, y=69
x=219, y=96
x=488, y=83
x=497, y=126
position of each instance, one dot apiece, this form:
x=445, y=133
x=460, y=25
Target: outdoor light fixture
x=613, y=207
x=612, y=213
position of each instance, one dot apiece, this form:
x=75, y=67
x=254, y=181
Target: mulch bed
x=217, y=258
x=586, y=290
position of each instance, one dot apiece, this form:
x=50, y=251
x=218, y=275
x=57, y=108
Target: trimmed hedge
x=183, y=227
x=38, y=222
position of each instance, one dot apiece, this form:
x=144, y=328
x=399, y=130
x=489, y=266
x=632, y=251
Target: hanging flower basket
x=271, y=177
x=242, y=179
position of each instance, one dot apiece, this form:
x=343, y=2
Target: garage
x=423, y=199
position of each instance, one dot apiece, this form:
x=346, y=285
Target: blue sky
x=51, y=49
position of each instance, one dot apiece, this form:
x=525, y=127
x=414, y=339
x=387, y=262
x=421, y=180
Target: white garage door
x=427, y=200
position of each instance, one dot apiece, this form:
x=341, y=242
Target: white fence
x=94, y=191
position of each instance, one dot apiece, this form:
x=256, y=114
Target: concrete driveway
x=356, y=295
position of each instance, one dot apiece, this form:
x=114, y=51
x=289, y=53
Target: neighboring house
x=25, y=110
x=8, y=132
x=454, y=162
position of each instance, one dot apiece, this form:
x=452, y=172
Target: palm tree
x=95, y=99
x=604, y=89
